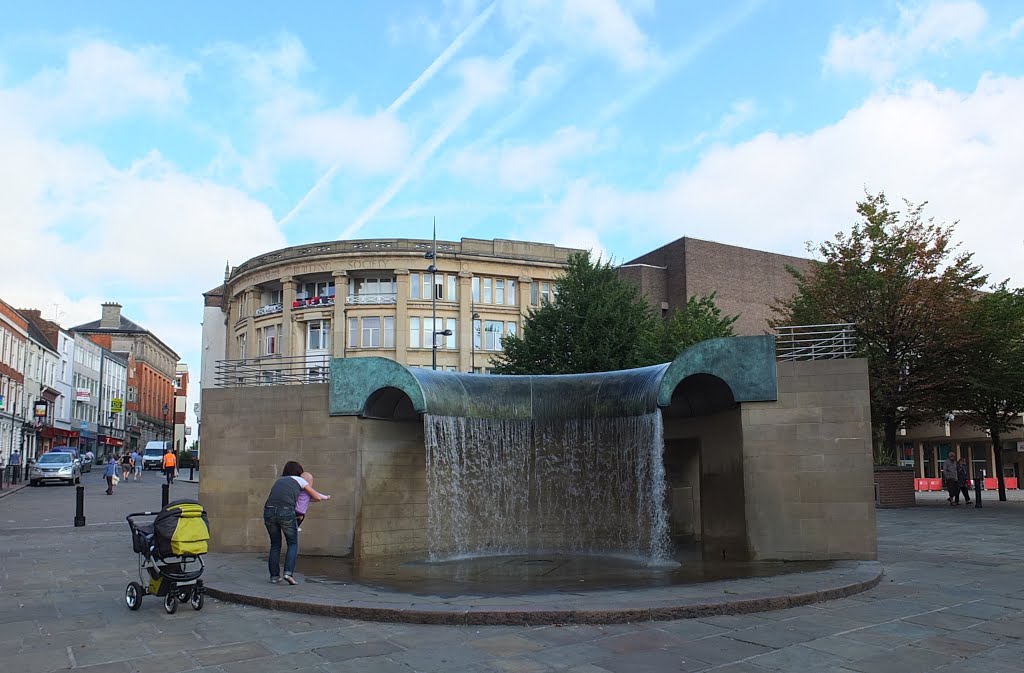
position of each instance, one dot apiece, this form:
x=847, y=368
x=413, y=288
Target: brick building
x=153, y=373
x=14, y=414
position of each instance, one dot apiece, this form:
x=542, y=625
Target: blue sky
x=146, y=144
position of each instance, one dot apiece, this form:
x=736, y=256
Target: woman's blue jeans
x=281, y=520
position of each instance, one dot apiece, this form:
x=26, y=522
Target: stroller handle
x=128, y=518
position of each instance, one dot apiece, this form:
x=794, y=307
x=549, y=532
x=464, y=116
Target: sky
x=146, y=145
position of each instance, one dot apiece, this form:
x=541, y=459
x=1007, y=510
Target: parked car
x=56, y=466
x=153, y=455
x=85, y=465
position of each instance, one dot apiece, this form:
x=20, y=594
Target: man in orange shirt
x=170, y=465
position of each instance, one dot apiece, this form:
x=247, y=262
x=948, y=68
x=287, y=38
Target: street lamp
x=443, y=332
x=472, y=339
x=163, y=430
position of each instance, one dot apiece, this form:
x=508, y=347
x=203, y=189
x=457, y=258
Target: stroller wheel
x=183, y=595
x=197, y=599
x=133, y=596
x=170, y=603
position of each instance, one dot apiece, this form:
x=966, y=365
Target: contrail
x=443, y=58
x=427, y=149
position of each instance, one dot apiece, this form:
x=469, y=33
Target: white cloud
x=961, y=152
x=881, y=54
x=603, y=26
x=520, y=167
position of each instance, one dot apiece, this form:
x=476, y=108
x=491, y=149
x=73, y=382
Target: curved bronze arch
x=746, y=364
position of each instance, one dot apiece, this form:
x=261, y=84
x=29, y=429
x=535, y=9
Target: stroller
x=171, y=553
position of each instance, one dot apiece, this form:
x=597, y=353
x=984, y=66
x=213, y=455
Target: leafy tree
x=992, y=395
x=599, y=322
x=699, y=320
x=901, y=282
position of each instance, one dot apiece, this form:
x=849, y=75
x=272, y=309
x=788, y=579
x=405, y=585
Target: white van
x=153, y=455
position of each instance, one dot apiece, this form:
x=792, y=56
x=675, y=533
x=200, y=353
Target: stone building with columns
x=291, y=310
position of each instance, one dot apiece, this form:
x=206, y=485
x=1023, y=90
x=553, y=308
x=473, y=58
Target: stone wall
x=248, y=436
x=808, y=465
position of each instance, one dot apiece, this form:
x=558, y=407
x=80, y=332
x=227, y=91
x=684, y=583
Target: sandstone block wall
x=808, y=465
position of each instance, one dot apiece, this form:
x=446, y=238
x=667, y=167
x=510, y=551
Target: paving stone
x=224, y=654
x=797, y=659
x=719, y=650
x=657, y=661
x=902, y=660
x=357, y=650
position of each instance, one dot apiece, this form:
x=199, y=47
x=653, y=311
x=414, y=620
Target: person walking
x=110, y=474
x=961, y=480
x=952, y=482
x=137, y=463
x=170, y=465
x=279, y=518
x=126, y=466
x=15, y=465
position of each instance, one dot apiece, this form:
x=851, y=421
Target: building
x=41, y=393
x=62, y=430
x=85, y=414
x=153, y=373
x=181, y=430
x=14, y=414
x=748, y=283
x=284, y=314
x=113, y=390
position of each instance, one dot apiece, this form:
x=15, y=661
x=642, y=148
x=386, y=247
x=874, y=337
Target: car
x=60, y=466
x=85, y=465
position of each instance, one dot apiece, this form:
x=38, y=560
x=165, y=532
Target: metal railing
x=816, y=342
x=378, y=298
x=272, y=370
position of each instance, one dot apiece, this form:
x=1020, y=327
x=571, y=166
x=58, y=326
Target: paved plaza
x=951, y=599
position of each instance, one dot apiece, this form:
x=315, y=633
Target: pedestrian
x=952, y=482
x=279, y=518
x=302, y=502
x=961, y=479
x=170, y=464
x=137, y=463
x=110, y=474
x=16, y=466
x=127, y=466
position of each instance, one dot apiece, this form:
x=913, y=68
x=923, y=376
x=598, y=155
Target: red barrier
x=920, y=484
x=1011, y=482
x=991, y=483
x=935, y=485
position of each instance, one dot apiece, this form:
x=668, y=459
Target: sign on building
x=116, y=405
x=39, y=409
x=83, y=394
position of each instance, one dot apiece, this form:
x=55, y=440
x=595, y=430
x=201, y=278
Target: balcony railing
x=816, y=342
x=269, y=309
x=272, y=371
x=313, y=302
x=382, y=298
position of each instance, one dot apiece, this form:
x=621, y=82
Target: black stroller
x=171, y=554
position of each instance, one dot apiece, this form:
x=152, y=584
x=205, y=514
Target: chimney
x=111, y=318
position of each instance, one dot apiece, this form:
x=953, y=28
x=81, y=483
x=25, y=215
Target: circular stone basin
x=524, y=574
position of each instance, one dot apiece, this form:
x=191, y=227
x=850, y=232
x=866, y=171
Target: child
x=302, y=502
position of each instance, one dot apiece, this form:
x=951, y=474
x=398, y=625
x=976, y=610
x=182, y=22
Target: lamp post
x=472, y=339
x=163, y=430
x=432, y=256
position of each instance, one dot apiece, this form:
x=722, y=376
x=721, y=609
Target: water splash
x=546, y=485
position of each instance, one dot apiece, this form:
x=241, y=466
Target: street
x=951, y=599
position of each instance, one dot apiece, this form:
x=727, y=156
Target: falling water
x=549, y=484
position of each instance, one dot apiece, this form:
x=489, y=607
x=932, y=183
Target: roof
x=36, y=334
x=126, y=325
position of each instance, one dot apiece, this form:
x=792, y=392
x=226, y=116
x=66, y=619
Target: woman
x=126, y=466
x=279, y=518
x=109, y=473
x=961, y=479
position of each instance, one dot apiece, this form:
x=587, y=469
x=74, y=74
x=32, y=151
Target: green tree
x=599, y=322
x=899, y=279
x=699, y=320
x=992, y=395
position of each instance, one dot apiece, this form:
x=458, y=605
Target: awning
x=51, y=432
x=110, y=441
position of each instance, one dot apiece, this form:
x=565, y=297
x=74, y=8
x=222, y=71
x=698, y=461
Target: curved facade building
x=303, y=305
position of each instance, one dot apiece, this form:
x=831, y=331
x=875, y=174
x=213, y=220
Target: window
x=453, y=287
x=427, y=282
x=414, y=333
x=324, y=288
x=499, y=291
x=371, y=333
x=476, y=289
x=510, y=328
x=414, y=285
x=487, y=290
x=546, y=293
x=318, y=335
x=492, y=335
x=439, y=285
x=534, y=293
x=271, y=297
x=389, y=332
x=241, y=346
x=270, y=339
x=476, y=334
x=451, y=340
x=510, y=299
x=353, y=332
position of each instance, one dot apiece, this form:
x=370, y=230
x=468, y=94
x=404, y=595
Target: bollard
x=79, y=506
x=977, y=493
x=191, y=472
x=165, y=492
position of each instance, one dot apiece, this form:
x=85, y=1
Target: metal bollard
x=977, y=493
x=191, y=472
x=165, y=492
x=79, y=506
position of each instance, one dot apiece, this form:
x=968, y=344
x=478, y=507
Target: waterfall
x=546, y=485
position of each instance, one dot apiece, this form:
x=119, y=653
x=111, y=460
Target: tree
x=699, y=320
x=599, y=322
x=992, y=395
x=900, y=281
